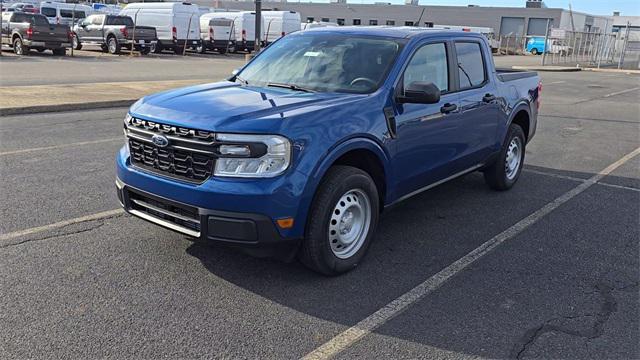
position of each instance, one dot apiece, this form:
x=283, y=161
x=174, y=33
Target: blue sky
x=596, y=7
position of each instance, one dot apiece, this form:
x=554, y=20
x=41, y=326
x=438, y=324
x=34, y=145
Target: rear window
x=18, y=18
x=50, y=12
x=119, y=20
x=69, y=14
x=220, y=22
x=40, y=20
x=470, y=64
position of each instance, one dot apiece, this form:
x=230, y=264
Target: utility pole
x=1, y=25
x=256, y=47
x=546, y=44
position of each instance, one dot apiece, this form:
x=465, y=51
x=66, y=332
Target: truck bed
x=506, y=75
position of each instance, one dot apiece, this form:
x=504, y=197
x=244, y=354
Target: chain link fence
x=580, y=48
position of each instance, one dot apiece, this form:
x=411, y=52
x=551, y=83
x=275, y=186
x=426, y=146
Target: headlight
x=252, y=155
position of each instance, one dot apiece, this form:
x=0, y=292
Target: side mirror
x=420, y=92
x=235, y=71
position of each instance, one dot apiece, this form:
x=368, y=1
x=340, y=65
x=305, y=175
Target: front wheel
x=75, y=42
x=342, y=221
x=534, y=51
x=504, y=173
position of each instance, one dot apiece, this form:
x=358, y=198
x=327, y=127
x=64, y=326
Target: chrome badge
x=160, y=140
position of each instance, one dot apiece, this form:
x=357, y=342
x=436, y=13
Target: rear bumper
x=46, y=45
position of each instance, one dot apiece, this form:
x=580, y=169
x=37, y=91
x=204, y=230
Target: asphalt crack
x=608, y=307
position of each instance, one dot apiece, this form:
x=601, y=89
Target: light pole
x=258, y=26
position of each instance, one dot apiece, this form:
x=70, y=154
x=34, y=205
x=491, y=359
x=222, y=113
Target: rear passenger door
x=479, y=109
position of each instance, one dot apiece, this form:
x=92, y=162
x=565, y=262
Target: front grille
x=188, y=155
x=179, y=217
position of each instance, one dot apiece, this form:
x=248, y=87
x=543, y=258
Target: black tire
x=201, y=49
x=316, y=251
x=178, y=50
x=145, y=50
x=75, y=42
x=534, y=51
x=113, y=45
x=104, y=48
x=19, y=48
x=222, y=51
x=157, y=47
x=497, y=175
x=59, y=51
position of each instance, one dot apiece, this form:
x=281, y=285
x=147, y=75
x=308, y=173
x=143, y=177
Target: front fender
x=329, y=158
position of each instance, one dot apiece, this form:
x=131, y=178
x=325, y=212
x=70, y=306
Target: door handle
x=447, y=108
x=488, y=98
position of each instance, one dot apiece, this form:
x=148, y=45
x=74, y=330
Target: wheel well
x=13, y=39
x=368, y=162
x=522, y=119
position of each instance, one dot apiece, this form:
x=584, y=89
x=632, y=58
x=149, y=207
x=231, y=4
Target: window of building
x=391, y=22
x=356, y=22
x=408, y=23
x=428, y=64
x=340, y=22
x=373, y=22
x=309, y=19
x=470, y=64
x=325, y=20
x=428, y=24
x=512, y=26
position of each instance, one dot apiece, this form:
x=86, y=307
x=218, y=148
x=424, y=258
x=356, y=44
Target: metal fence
x=511, y=44
x=581, y=48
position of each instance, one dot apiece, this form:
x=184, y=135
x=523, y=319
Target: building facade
x=509, y=21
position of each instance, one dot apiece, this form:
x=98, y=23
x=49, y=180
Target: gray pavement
x=117, y=287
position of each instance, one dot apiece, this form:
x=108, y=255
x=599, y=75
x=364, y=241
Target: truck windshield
x=324, y=62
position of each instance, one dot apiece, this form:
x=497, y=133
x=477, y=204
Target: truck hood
x=228, y=106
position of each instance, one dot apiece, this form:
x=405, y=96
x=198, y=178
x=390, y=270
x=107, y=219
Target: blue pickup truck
x=299, y=151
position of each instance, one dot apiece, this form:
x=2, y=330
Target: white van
x=217, y=33
x=316, y=24
x=63, y=13
x=177, y=24
x=279, y=23
x=244, y=28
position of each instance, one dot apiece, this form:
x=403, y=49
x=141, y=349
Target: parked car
x=23, y=7
x=279, y=23
x=27, y=31
x=63, y=13
x=536, y=46
x=113, y=32
x=217, y=33
x=177, y=24
x=301, y=149
x=244, y=28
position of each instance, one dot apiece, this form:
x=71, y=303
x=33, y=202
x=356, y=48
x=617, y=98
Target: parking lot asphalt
x=112, y=286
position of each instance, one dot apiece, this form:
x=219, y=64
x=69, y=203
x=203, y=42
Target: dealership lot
x=108, y=285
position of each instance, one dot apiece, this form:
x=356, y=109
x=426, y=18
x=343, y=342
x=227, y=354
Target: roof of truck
x=390, y=31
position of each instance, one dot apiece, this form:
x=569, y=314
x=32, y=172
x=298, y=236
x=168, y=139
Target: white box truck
x=177, y=23
x=278, y=24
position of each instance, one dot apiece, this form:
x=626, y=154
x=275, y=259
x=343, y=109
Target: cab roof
x=399, y=32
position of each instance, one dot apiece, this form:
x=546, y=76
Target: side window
x=429, y=64
x=470, y=64
x=47, y=11
x=97, y=20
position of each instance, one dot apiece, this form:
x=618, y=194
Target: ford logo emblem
x=160, y=141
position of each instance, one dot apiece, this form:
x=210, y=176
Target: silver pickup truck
x=113, y=32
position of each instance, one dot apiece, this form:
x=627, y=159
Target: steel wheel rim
x=18, y=46
x=112, y=46
x=349, y=223
x=513, y=158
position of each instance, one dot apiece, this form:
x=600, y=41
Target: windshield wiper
x=289, y=86
x=241, y=80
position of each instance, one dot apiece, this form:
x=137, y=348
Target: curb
x=37, y=109
x=548, y=68
x=615, y=71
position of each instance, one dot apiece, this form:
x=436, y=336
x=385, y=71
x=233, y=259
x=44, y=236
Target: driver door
x=83, y=29
x=427, y=134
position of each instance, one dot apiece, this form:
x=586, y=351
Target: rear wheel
x=343, y=217
x=201, y=49
x=75, y=42
x=59, y=52
x=19, y=48
x=178, y=50
x=534, y=51
x=156, y=48
x=113, y=45
x=145, y=50
x=504, y=173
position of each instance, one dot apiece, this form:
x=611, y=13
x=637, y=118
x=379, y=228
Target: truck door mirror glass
x=420, y=92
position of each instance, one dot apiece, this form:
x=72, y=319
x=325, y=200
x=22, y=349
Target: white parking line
x=621, y=92
x=21, y=151
x=554, y=82
x=350, y=336
x=615, y=186
x=34, y=230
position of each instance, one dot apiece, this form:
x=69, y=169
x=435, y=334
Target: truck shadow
x=414, y=241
